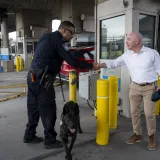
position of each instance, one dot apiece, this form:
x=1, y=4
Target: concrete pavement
x=117, y=149
x=13, y=118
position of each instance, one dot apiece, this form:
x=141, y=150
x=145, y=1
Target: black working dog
x=70, y=123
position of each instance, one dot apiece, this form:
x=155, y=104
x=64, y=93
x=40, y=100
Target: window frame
x=155, y=24
x=158, y=33
x=100, y=32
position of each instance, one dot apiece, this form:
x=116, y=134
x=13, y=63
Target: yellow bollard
x=17, y=64
x=72, y=85
x=157, y=110
x=102, y=112
x=20, y=63
x=113, y=101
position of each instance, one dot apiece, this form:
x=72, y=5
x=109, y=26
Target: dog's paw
x=80, y=131
x=68, y=157
x=66, y=141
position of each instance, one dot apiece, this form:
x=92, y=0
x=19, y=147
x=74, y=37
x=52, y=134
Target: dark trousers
x=40, y=104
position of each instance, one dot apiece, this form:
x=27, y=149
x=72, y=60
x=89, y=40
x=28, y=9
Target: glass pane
x=29, y=47
x=147, y=29
x=13, y=49
x=20, y=48
x=112, y=37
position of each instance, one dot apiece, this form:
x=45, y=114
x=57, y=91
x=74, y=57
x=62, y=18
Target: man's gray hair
x=140, y=36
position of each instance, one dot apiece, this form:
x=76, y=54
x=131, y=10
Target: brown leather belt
x=144, y=84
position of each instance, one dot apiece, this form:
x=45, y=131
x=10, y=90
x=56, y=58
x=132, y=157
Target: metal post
x=4, y=30
x=72, y=85
x=113, y=101
x=102, y=112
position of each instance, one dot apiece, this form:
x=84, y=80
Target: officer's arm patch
x=65, y=46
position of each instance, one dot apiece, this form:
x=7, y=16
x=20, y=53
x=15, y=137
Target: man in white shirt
x=143, y=64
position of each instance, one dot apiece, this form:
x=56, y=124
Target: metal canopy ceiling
x=51, y=6
x=45, y=5
x=14, y=5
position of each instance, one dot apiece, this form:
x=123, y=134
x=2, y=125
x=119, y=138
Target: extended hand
x=102, y=65
x=158, y=88
x=96, y=66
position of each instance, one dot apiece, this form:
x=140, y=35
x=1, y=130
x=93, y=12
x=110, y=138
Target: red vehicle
x=81, y=53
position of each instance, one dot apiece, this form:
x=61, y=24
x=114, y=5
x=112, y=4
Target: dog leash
x=62, y=89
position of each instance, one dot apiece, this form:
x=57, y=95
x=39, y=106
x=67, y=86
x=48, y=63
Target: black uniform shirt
x=51, y=52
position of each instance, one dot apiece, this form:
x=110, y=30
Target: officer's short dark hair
x=66, y=24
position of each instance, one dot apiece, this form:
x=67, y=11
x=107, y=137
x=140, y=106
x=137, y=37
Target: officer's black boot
x=55, y=144
x=33, y=140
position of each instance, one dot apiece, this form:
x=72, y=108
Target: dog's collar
x=65, y=127
x=61, y=122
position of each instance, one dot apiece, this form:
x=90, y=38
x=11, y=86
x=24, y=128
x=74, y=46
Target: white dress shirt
x=143, y=67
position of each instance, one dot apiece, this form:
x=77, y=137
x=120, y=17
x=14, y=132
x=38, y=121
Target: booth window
x=20, y=48
x=13, y=49
x=147, y=29
x=112, y=37
x=29, y=47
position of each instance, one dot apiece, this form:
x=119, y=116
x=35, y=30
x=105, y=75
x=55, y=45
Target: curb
x=53, y=153
x=13, y=97
x=18, y=94
x=13, y=86
x=21, y=86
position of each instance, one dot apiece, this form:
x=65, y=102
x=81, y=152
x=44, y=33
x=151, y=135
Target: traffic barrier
x=17, y=64
x=157, y=110
x=72, y=85
x=113, y=101
x=102, y=113
x=20, y=63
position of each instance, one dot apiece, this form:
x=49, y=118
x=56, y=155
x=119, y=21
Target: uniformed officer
x=49, y=55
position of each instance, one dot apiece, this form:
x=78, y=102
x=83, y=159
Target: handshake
x=97, y=66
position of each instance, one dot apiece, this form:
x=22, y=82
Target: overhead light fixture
x=125, y=3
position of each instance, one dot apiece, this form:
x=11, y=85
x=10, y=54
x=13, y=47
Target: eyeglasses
x=69, y=31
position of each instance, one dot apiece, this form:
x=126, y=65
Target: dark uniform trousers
x=40, y=104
